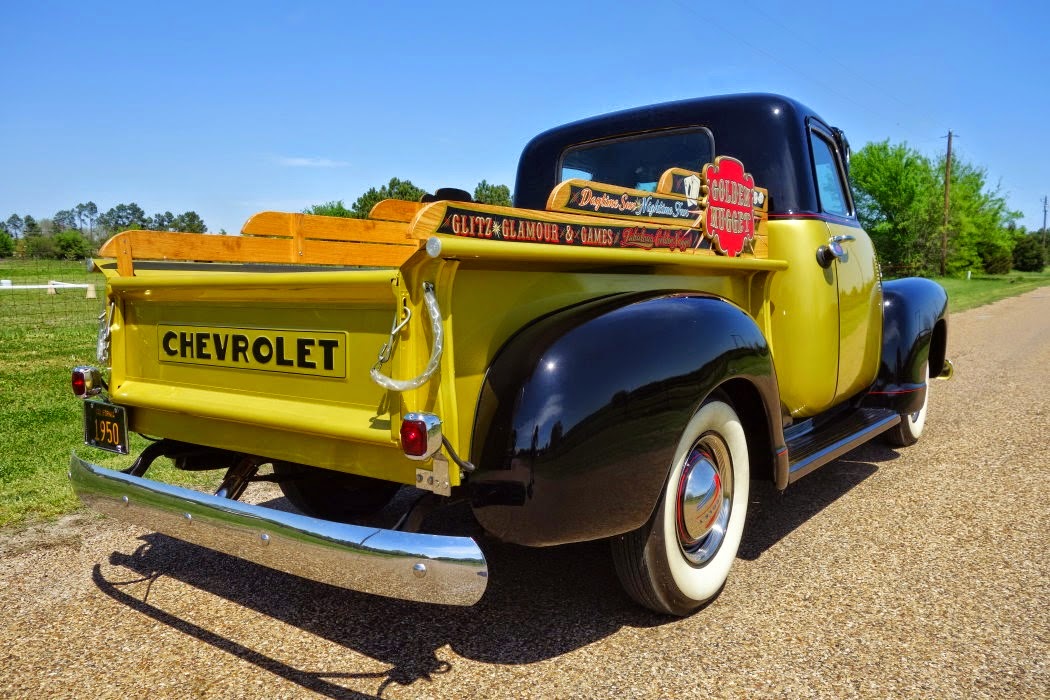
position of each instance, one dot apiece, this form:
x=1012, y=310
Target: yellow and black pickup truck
x=680, y=301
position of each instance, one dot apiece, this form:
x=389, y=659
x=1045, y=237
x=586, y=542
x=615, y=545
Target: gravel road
x=914, y=573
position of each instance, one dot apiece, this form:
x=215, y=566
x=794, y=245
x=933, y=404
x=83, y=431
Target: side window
x=830, y=185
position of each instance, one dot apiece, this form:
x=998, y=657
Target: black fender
x=914, y=333
x=581, y=411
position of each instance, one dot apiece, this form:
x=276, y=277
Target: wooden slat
x=160, y=245
x=125, y=266
x=395, y=210
x=329, y=228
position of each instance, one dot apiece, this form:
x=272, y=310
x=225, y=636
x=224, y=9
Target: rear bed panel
x=277, y=364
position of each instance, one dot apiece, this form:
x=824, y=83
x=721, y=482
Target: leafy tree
x=189, y=222
x=162, y=222
x=1029, y=254
x=31, y=228
x=71, y=245
x=979, y=222
x=15, y=225
x=395, y=189
x=7, y=245
x=334, y=208
x=900, y=202
x=87, y=214
x=498, y=195
x=123, y=217
x=896, y=197
x=64, y=220
x=403, y=189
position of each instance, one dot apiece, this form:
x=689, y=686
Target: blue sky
x=228, y=108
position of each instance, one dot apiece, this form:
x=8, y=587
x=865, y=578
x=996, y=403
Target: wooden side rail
x=273, y=237
x=395, y=210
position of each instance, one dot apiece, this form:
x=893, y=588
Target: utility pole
x=947, y=186
x=1044, y=221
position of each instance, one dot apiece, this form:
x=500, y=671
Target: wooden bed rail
x=273, y=237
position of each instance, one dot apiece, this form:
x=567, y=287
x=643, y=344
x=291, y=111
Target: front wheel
x=909, y=430
x=680, y=559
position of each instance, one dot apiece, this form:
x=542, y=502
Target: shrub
x=7, y=245
x=71, y=245
x=996, y=259
x=1029, y=254
x=40, y=247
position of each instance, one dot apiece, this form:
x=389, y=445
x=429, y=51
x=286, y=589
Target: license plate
x=106, y=426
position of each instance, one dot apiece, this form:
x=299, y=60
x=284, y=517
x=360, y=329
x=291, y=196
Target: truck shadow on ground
x=772, y=515
x=540, y=603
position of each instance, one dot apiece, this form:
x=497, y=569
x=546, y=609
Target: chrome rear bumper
x=409, y=566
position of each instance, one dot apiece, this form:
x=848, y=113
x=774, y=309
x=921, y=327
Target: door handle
x=833, y=250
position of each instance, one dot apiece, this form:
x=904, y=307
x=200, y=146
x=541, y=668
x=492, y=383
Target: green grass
x=43, y=336
x=984, y=289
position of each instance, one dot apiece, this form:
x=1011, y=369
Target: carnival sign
x=729, y=218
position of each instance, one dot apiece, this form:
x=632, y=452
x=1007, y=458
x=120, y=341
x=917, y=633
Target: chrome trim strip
x=840, y=447
x=404, y=565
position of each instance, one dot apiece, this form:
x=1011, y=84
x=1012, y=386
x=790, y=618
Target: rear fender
x=914, y=334
x=580, y=413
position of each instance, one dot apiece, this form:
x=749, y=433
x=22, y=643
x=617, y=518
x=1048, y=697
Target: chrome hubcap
x=705, y=499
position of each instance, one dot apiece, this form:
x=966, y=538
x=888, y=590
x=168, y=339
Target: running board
x=815, y=448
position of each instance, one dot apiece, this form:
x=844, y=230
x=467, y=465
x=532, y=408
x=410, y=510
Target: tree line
x=484, y=193
x=901, y=204
x=76, y=232
x=899, y=197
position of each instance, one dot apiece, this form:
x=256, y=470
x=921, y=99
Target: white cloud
x=297, y=162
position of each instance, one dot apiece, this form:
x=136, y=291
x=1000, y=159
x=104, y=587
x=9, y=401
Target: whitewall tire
x=680, y=559
x=909, y=430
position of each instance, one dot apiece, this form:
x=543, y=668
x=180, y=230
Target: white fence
x=52, y=287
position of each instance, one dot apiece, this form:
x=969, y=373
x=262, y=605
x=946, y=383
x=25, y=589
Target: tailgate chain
x=430, y=300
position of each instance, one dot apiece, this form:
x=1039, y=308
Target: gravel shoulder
x=921, y=572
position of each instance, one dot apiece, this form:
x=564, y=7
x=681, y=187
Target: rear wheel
x=908, y=431
x=680, y=559
x=332, y=495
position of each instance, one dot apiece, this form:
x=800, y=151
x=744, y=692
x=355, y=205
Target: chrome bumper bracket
x=404, y=565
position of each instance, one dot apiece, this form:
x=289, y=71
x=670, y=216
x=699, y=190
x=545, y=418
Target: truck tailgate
x=275, y=363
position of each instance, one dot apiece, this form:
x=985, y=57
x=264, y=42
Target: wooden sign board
x=488, y=222
x=584, y=197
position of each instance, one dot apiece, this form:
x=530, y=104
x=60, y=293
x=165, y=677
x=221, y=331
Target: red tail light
x=420, y=435
x=86, y=381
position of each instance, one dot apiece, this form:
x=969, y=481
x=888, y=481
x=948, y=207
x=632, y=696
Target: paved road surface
x=918, y=573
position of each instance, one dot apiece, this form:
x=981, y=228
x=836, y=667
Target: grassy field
x=984, y=289
x=43, y=336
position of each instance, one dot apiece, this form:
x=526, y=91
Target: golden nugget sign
x=729, y=218
x=296, y=352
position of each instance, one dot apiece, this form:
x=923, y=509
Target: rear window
x=638, y=161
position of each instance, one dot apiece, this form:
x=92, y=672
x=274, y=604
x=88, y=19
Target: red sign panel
x=729, y=217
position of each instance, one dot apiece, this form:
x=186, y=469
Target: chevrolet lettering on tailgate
x=297, y=352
